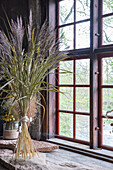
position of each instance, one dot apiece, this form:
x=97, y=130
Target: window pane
x=82, y=99
x=108, y=30
x=66, y=12
x=66, y=99
x=107, y=100
x=82, y=127
x=66, y=37
x=83, y=35
x=66, y=78
x=82, y=71
x=107, y=132
x=82, y=9
x=66, y=124
x=108, y=70
x=107, y=6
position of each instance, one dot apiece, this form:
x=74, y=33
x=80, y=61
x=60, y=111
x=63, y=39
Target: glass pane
x=82, y=127
x=66, y=38
x=66, y=99
x=66, y=78
x=107, y=6
x=83, y=35
x=107, y=100
x=82, y=99
x=66, y=124
x=108, y=30
x=66, y=12
x=107, y=71
x=82, y=71
x=82, y=9
x=107, y=132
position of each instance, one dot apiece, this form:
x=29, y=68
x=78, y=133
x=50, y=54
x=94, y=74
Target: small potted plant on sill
x=10, y=127
x=11, y=122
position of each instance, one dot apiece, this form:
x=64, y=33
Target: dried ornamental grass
x=25, y=147
x=25, y=70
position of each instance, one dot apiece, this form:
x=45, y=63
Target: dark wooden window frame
x=101, y=87
x=96, y=51
x=94, y=68
x=74, y=112
x=96, y=48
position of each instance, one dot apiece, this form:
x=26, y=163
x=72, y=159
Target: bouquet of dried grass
x=25, y=70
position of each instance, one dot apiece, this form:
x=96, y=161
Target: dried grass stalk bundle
x=24, y=146
x=25, y=70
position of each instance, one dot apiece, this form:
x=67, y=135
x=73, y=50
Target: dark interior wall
x=13, y=8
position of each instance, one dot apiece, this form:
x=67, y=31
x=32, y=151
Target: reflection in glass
x=107, y=6
x=66, y=99
x=83, y=35
x=65, y=77
x=107, y=71
x=66, y=38
x=107, y=132
x=107, y=104
x=82, y=9
x=82, y=99
x=66, y=124
x=82, y=71
x=108, y=30
x=82, y=127
x=66, y=12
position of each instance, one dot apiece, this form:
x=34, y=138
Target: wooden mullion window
x=107, y=15
x=72, y=86
x=69, y=26
x=99, y=50
x=73, y=23
x=105, y=99
x=73, y=113
x=105, y=26
x=74, y=34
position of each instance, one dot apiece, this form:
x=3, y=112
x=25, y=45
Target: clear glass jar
x=12, y=125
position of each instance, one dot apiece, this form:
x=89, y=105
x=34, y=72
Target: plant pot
x=10, y=130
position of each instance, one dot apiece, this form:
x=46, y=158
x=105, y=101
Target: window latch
x=97, y=34
x=97, y=128
x=96, y=72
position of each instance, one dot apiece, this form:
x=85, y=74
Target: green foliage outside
x=66, y=124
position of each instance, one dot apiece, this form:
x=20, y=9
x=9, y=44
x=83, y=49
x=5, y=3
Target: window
x=74, y=104
x=88, y=84
x=74, y=24
x=106, y=99
x=107, y=22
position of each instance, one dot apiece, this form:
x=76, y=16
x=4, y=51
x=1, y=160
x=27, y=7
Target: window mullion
x=74, y=24
x=93, y=76
x=74, y=104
